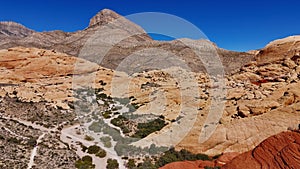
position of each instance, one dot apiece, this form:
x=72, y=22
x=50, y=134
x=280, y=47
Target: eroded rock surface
x=279, y=151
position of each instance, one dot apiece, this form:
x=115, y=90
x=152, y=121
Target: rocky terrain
x=13, y=30
x=130, y=39
x=279, y=151
x=62, y=107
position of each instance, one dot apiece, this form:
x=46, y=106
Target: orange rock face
x=279, y=151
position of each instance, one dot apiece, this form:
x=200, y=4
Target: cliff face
x=279, y=151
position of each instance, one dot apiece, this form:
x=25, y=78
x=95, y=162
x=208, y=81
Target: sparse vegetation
x=112, y=164
x=120, y=122
x=131, y=164
x=98, y=151
x=85, y=162
x=106, y=114
x=144, y=129
x=96, y=126
x=106, y=141
x=93, y=149
x=89, y=138
x=101, y=153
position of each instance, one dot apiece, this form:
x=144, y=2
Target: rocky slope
x=262, y=100
x=279, y=151
x=115, y=38
x=279, y=49
x=14, y=30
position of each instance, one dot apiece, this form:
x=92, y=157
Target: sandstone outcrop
x=279, y=151
x=286, y=48
x=35, y=75
x=261, y=99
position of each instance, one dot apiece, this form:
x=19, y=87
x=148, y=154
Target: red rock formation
x=279, y=151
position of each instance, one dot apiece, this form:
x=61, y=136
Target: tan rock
x=235, y=93
x=279, y=50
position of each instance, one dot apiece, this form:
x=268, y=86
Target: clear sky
x=234, y=25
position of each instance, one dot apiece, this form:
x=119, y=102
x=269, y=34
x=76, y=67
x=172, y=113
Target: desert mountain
x=113, y=38
x=14, y=30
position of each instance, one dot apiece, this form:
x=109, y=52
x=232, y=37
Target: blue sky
x=234, y=25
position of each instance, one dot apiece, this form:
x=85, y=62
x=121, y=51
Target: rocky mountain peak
x=103, y=17
x=13, y=29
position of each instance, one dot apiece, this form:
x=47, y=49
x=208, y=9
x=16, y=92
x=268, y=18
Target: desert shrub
x=106, y=141
x=106, y=114
x=96, y=126
x=93, y=149
x=120, y=122
x=32, y=142
x=83, y=148
x=112, y=164
x=131, y=164
x=88, y=159
x=144, y=129
x=147, y=163
x=101, y=153
x=89, y=138
x=85, y=162
x=172, y=156
x=98, y=151
x=14, y=140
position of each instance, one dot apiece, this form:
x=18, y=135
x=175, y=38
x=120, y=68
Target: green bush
x=96, y=126
x=89, y=138
x=87, y=159
x=144, y=129
x=120, y=122
x=83, y=148
x=93, y=149
x=131, y=164
x=112, y=164
x=106, y=141
x=85, y=163
x=172, y=156
x=107, y=114
x=98, y=151
x=101, y=153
